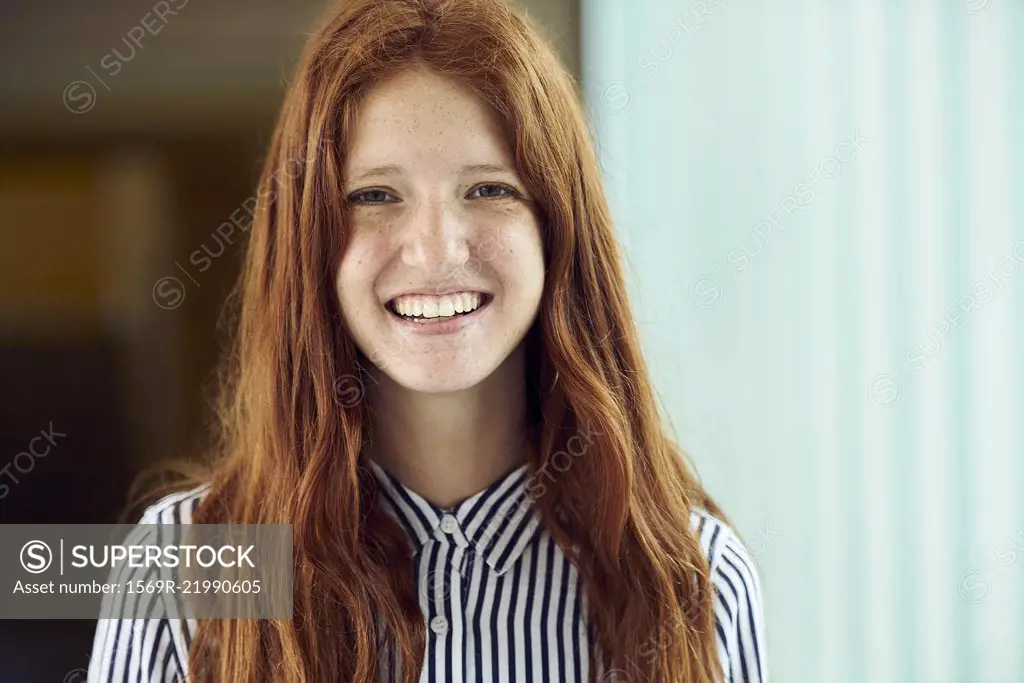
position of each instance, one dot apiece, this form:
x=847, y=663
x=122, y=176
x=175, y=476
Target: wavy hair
x=288, y=451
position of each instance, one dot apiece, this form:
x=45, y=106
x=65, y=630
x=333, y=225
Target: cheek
x=358, y=269
x=506, y=229
x=518, y=255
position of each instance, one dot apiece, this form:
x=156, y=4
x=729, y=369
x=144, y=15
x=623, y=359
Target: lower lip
x=441, y=325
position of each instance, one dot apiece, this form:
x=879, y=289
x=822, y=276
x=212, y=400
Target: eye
x=493, y=191
x=372, y=196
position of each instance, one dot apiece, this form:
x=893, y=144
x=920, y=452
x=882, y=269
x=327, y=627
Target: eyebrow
x=392, y=169
x=484, y=168
x=378, y=170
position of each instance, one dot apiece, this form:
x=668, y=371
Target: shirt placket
x=444, y=584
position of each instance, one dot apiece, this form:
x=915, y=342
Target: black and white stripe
x=145, y=650
x=501, y=602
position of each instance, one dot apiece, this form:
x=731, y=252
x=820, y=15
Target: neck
x=449, y=446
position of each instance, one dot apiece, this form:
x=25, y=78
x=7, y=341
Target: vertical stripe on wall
x=874, y=280
x=824, y=319
x=988, y=331
x=931, y=643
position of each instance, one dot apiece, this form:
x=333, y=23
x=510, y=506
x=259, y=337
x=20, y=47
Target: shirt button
x=439, y=625
x=449, y=524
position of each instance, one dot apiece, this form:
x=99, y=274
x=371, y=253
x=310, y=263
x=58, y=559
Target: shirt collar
x=499, y=521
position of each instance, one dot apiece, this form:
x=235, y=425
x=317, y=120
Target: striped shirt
x=500, y=601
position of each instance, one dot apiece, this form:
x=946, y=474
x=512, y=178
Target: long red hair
x=290, y=452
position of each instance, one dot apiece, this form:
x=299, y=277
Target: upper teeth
x=438, y=306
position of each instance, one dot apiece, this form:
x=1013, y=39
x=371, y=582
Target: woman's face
x=443, y=270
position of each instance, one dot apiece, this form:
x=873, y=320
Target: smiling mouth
x=432, y=309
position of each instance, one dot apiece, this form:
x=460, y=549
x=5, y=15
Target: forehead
x=418, y=114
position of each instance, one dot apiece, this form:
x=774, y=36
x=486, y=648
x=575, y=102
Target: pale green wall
x=879, y=487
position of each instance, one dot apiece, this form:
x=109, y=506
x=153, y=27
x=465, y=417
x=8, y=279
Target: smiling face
x=443, y=270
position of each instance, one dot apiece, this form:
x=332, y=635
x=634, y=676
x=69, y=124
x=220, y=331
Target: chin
x=444, y=379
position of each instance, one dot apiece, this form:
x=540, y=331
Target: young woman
x=437, y=381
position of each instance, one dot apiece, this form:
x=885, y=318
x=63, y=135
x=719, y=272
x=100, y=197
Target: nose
x=436, y=239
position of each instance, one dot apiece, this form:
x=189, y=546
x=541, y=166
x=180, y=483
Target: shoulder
x=175, y=508
x=721, y=544
x=739, y=610
x=162, y=521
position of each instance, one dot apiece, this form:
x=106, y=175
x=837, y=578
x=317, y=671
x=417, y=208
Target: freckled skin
x=436, y=230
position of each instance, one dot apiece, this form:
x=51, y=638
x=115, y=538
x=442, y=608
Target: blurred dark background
x=129, y=131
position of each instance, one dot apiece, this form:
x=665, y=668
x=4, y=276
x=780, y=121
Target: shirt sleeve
x=134, y=649
x=739, y=612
